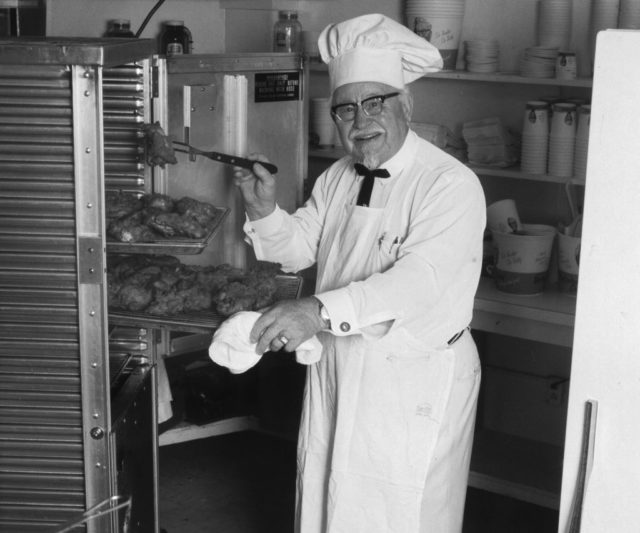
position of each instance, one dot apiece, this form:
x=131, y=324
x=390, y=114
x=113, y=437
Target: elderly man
x=387, y=424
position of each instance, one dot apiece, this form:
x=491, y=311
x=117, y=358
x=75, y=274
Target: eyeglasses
x=370, y=107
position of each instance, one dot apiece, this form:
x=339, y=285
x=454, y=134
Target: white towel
x=231, y=346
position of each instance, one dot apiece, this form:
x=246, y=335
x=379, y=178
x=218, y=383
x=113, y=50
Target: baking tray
x=289, y=287
x=173, y=245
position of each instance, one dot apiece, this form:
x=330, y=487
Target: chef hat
x=376, y=48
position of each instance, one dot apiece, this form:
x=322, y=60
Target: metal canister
x=566, y=66
x=175, y=38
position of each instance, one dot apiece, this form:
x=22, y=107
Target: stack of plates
x=481, y=55
x=629, y=15
x=554, y=23
x=582, y=143
x=539, y=62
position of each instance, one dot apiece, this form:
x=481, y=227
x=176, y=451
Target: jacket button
x=344, y=326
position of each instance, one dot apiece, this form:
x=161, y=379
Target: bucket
x=440, y=23
x=568, y=262
x=522, y=259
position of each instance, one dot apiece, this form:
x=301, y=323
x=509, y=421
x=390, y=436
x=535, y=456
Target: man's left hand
x=286, y=325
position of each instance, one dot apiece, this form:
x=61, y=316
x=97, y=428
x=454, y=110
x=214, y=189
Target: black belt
x=453, y=339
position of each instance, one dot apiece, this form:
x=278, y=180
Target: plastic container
x=119, y=28
x=287, y=33
x=175, y=39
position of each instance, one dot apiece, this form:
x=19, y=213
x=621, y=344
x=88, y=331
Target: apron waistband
x=453, y=339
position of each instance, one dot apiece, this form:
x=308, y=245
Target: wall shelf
x=548, y=317
x=495, y=77
x=334, y=153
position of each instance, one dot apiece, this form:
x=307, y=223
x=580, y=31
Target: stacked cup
x=440, y=23
x=582, y=143
x=629, y=15
x=321, y=124
x=481, y=55
x=554, y=23
x=562, y=139
x=535, y=138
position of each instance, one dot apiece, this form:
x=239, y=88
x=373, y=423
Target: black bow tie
x=367, y=184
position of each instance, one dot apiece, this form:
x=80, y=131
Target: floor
x=244, y=483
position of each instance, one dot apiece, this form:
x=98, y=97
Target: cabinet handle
x=585, y=465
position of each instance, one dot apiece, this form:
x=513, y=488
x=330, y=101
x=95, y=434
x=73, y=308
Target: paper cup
x=568, y=262
x=522, y=260
x=503, y=216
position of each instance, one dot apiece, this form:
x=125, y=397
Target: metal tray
x=170, y=246
x=289, y=287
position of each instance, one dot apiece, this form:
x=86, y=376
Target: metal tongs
x=223, y=158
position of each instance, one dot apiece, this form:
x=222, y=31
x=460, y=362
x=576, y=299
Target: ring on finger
x=283, y=339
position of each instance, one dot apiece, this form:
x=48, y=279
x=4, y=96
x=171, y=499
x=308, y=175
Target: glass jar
x=286, y=32
x=119, y=28
x=175, y=39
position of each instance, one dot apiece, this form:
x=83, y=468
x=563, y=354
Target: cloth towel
x=231, y=346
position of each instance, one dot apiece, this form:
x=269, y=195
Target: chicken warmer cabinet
x=78, y=438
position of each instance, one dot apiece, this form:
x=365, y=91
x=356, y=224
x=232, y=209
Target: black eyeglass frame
x=381, y=97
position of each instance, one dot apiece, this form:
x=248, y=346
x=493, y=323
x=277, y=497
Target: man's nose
x=361, y=118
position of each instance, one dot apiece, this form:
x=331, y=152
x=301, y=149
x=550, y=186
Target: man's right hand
x=258, y=189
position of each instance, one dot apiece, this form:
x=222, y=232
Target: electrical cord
x=148, y=17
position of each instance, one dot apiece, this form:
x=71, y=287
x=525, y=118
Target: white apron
x=373, y=414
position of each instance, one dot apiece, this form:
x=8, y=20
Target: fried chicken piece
x=135, y=296
x=266, y=291
x=159, y=147
x=166, y=303
x=235, y=297
x=196, y=298
x=203, y=212
x=160, y=202
x=131, y=228
x=120, y=204
x=262, y=277
x=175, y=225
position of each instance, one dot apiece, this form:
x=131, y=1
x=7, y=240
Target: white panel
x=606, y=355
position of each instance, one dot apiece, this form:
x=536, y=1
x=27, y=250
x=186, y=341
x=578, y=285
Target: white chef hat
x=376, y=48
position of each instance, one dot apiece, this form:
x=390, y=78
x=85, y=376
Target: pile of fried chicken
x=153, y=217
x=162, y=285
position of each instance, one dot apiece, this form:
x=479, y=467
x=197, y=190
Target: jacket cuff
x=341, y=313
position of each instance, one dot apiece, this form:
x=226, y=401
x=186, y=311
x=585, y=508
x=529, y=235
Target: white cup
x=503, y=216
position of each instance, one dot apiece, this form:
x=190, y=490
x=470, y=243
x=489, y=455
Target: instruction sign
x=277, y=86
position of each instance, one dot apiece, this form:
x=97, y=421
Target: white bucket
x=522, y=259
x=442, y=31
x=568, y=262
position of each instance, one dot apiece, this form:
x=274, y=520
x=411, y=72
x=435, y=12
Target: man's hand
x=258, y=189
x=293, y=321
